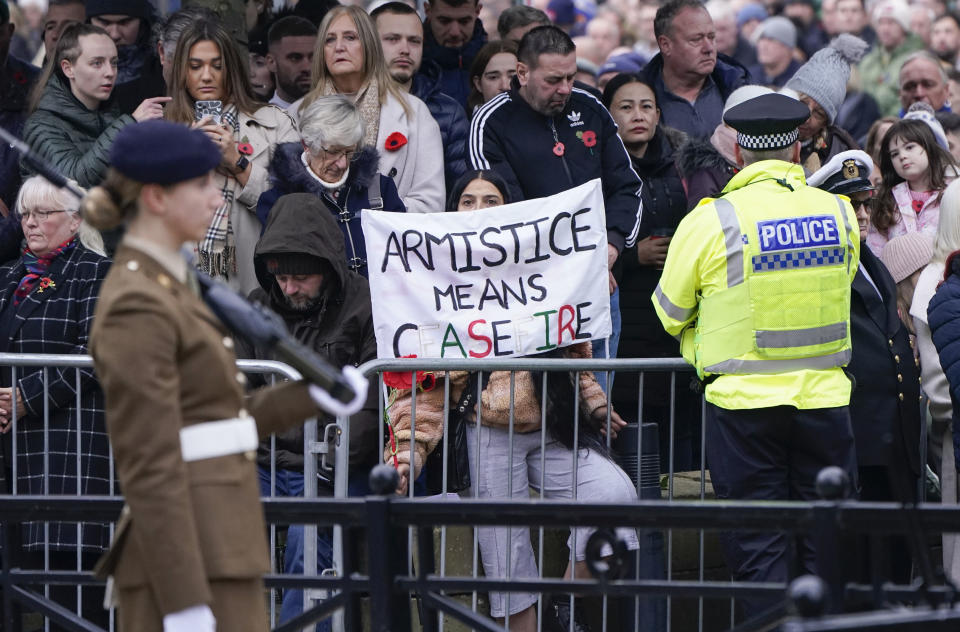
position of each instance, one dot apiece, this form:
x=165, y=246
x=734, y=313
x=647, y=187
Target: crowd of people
x=458, y=105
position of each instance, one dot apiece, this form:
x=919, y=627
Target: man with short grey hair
x=923, y=78
x=519, y=19
x=691, y=80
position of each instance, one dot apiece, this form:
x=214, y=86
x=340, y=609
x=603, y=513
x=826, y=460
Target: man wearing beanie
x=757, y=287
x=301, y=265
x=880, y=69
x=776, y=41
x=822, y=86
x=129, y=23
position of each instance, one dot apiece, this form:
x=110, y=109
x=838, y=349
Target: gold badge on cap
x=850, y=169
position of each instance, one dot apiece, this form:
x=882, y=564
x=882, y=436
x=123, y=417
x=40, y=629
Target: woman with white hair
x=935, y=383
x=47, y=299
x=333, y=164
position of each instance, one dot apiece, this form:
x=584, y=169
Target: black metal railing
x=382, y=520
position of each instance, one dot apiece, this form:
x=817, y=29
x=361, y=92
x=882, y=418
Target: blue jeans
x=600, y=345
x=290, y=483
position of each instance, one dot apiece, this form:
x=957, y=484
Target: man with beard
x=290, y=44
x=301, y=265
x=545, y=136
x=401, y=35
x=129, y=24
x=945, y=38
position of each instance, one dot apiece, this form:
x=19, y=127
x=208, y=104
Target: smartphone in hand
x=213, y=109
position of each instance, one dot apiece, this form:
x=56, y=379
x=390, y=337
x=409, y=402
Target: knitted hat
x=824, y=77
x=161, y=152
x=894, y=10
x=906, y=254
x=922, y=111
x=752, y=11
x=780, y=29
x=293, y=263
x=562, y=12
x=134, y=8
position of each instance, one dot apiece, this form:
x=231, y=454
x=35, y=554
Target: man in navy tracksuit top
x=545, y=136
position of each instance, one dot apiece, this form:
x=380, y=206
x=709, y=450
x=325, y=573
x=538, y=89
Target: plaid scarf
x=37, y=267
x=217, y=250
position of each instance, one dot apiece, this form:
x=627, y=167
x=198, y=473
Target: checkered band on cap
x=767, y=141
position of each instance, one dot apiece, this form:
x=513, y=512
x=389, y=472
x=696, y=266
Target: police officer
x=757, y=287
x=885, y=407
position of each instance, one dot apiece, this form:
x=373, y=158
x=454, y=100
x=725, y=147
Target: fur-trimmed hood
x=697, y=154
x=288, y=174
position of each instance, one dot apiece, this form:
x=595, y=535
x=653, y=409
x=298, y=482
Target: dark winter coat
x=696, y=120
x=16, y=81
x=454, y=62
x=516, y=141
x=339, y=329
x=704, y=169
x=857, y=113
x=885, y=401
x=664, y=205
x=128, y=96
x=57, y=320
x=760, y=75
x=75, y=140
x=449, y=115
x=943, y=315
x=288, y=174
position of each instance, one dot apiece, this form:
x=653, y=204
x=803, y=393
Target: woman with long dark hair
x=207, y=67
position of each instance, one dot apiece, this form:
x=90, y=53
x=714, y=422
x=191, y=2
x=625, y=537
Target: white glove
x=193, y=619
x=356, y=380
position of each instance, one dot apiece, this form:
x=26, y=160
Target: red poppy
x=401, y=379
x=20, y=78
x=245, y=148
x=589, y=138
x=394, y=142
x=558, y=149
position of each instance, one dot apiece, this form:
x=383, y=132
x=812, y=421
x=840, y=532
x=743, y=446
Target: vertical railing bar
x=443, y=528
x=640, y=421
x=703, y=495
x=673, y=420
x=543, y=482
x=413, y=460
x=510, y=420
x=573, y=491
x=476, y=487
x=46, y=477
x=79, y=526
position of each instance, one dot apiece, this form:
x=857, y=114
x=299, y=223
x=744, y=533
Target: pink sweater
x=910, y=221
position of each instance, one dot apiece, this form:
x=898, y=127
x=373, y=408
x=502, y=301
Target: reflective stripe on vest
x=731, y=237
x=839, y=358
x=728, y=330
x=802, y=337
x=672, y=310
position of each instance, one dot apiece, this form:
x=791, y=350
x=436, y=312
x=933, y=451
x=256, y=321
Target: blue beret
x=161, y=152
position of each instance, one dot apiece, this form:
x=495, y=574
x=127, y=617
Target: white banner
x=513, y=280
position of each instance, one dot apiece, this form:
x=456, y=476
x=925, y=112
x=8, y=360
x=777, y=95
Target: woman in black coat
x=47, y=298
x=633, y=104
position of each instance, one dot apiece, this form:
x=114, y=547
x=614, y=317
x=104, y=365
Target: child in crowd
x=916, y=169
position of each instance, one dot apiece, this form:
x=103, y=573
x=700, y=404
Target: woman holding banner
x=533, y=458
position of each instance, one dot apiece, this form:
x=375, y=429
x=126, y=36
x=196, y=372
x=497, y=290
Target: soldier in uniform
x=757, y=286
x=190, y=547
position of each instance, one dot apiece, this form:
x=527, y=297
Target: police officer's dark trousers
x=773, y=454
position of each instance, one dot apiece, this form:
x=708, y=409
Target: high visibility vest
x=786, y=306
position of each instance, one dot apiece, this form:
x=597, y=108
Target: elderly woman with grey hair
x=332, y=164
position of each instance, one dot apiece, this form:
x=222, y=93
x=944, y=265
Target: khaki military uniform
x=196, y=532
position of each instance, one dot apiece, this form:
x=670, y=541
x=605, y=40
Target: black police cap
x=769, y=121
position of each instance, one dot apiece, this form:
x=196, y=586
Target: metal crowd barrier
x=668, y=596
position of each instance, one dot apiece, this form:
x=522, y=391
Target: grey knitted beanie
x=824, y=77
